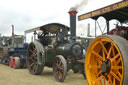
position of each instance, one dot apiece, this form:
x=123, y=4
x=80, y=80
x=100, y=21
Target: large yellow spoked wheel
x=107, y=61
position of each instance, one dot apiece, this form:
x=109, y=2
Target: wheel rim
x=58, y=69
x=14, y=63
x=32, y=58
x=104, y=63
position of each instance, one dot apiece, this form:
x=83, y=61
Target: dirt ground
x=9, y=76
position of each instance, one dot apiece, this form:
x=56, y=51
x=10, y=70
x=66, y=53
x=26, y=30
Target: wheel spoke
x=99, y=78
x=104, y=81
x=99, y=56
x=57, y=61
x=56, y=65
x=118, y=61
x=31, y=51
x=109, y=79
x=30, y=58
x=32, y=65
x=103, y=55
x=62, y=69
x=104, y=49
x=107, y=83
x=33, y=46
x=34, y=54
x=116, y=67
x=59, y=75
x=115, y=57
x=119, y=74
x=115, y=76
x=114, y=81
x=35, y=67
x=35, y=51
x=99, y=61
x=60, y=63
x=113, y=50
x=99, y=73
x=109, y=52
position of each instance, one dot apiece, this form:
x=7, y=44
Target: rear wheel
x=35, y=58
x=60, y=68
x=106, y=61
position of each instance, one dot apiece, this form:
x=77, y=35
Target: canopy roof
x=117, y=11
x=52, y=27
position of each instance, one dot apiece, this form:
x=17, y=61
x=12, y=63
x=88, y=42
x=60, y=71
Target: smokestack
x=13, y=37
x=88, y=31
x=72, y=13
x=12, y=30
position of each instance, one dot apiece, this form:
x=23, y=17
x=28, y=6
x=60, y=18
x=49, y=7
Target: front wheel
x=107, y=61
x=60, y=68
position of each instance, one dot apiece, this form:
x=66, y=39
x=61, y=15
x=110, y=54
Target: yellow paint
x=120, y=5
x=96, y=13
x=90, y=60
x=85, y=16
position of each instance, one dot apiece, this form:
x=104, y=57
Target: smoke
x=80, y=5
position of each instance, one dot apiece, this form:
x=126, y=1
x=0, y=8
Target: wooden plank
x=3, y=51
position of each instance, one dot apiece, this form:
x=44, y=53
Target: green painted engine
x=54, y=48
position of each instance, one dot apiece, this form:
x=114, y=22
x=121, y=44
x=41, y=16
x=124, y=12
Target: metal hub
x=105, y=67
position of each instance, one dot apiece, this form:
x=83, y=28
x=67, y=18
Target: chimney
x=72, y=13
x=88, y=31
x=13, y=36
x=12, y=30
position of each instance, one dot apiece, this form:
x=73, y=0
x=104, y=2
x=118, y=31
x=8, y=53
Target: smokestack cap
x=73, y=9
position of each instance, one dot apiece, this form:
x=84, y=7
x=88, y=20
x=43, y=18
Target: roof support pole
x=107, y=22
x=95, y=28
x=24, y=37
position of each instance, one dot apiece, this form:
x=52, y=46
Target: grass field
x=9, y=76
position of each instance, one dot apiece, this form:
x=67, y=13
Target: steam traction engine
x=56, y=48
x=13, y=50
x=107, y=56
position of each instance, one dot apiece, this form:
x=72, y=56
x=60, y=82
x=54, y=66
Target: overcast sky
x=27, y=14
